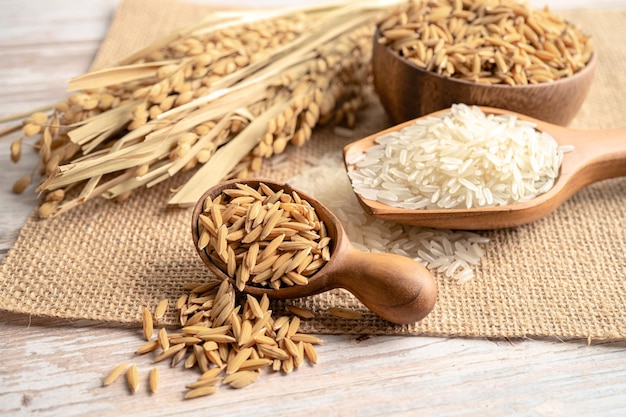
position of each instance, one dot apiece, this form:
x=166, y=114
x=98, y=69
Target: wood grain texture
x=56, y=367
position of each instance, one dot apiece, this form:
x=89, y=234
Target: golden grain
x=206, y=382
x=114, y=374
x=178, y=357
x=299, y=360
x=238, y=347
x=200, y=300
x=169, y=352
x=210, y=374
x=264, y=265
x=214, y=357
x=265, y=304
x=190, y=361
x=246, y=333
x=300, y=312
x=241, y=379
x=161, y=309
x=151, y=346
x=163, y=339
x=201, y=358
x=281, y=333
x=255, y=307
x=291, y=347
x=31, y=129
x=190, y=309
x=239, y=358
x=132, y=377
x=255, y=364
x=257, y=238
x=273, y=352
x=310, y=352
x=224, y=315
x=218, y=338
x=200, y=392
x=282, y=321
x=153, y=380
x=222, y=330
x=182, y=300
x=293, y=326
x=193, y=330
x=147, y=323
x=287, y=365
x=21, y=184
x=306, y=338
x=184, y=340
x=454, y=41
x=296, y=279
x=262, y=323
x=16, y=150
x=197, y=317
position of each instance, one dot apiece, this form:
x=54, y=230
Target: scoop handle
x=598, y=155
x=394, y=287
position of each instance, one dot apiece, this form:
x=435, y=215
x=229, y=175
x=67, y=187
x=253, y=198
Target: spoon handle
x=598, y=155
x=394, y=287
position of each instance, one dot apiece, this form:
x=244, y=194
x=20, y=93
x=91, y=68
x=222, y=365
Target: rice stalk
x=217, y=97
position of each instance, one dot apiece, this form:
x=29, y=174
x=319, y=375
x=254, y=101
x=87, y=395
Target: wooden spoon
x=597, y=155
x=394, y=287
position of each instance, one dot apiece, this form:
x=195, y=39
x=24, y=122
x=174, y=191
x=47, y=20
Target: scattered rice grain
x=200, y=392
x=344, y=313
x=132, y=377
x=300, y=311
x=154, y=380
x=114, y=374
x=147, y=322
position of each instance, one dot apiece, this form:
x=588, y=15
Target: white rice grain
x=435, y=248
x=462, y=159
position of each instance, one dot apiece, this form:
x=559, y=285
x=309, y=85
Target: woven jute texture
x=563, y=276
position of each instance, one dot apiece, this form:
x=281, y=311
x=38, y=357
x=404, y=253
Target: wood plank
x=55, y=367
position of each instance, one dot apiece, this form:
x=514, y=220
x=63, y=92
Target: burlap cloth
x=563, y=276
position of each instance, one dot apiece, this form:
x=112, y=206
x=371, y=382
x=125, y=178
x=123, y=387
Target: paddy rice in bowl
x=430, y=55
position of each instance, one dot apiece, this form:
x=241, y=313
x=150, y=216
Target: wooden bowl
x=407, y=91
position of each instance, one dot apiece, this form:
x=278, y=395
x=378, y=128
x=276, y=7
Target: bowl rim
x=589, y=67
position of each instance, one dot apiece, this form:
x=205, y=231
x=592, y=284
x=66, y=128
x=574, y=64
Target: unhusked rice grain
x=447, y=253
x=506, y=42
x=231, y=351
x=461, y=159
x=263, y=237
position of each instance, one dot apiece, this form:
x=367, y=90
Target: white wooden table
x=55, y=367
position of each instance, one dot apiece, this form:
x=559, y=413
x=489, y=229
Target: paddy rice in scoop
x=263, y=237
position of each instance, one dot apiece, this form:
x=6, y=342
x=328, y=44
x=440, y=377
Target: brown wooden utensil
x=597, y=155
x=407, y=91
x=394, y=287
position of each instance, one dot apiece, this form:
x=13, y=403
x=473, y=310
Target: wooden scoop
x=394, y=287
x=597, y=155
